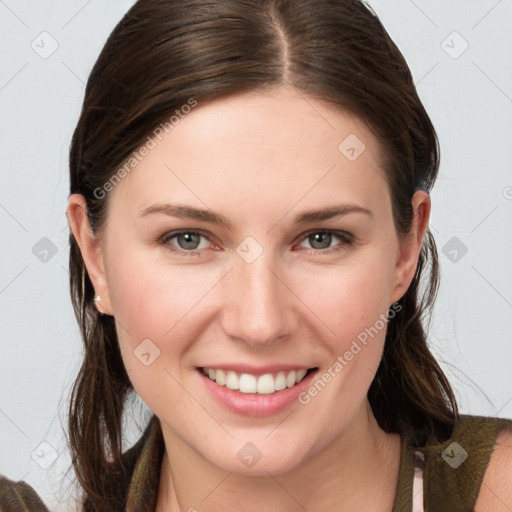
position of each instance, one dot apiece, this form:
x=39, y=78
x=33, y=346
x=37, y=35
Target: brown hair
x=165, y=52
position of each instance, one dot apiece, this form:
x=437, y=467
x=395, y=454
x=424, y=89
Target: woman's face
x=274, y=288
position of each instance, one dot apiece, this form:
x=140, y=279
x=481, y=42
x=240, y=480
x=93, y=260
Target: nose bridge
x=259, y=310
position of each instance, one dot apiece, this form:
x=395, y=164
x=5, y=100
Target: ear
x=410, y=246
x=91, y=249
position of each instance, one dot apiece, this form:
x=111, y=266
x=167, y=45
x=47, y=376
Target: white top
x=417, y=484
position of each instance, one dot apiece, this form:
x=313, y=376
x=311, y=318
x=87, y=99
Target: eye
x=322, y=240
x=187, y=242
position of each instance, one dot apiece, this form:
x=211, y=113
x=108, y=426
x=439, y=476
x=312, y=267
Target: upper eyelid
x=172, y=234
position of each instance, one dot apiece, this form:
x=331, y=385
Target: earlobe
x=91, y=250
x=410, y=245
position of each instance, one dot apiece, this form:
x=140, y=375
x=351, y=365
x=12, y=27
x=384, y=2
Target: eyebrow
x=205, y=215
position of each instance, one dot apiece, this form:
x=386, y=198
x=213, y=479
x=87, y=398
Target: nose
x=259, y=306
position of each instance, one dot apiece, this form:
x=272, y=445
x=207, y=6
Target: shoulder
x=496, y=490
x=463, y=471
x=15, y=496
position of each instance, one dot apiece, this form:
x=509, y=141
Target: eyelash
x=346, y=239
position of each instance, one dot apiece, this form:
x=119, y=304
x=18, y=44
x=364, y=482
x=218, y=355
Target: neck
x=357, y=471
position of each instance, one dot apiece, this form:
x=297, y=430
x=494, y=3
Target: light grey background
x=467, y=92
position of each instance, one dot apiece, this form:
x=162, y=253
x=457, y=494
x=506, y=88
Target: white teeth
x=290, y=378
x=280, y=381
x=231, y=380
x=301, y=374
x=264, y=384
x=247, y=383
x=220, y=378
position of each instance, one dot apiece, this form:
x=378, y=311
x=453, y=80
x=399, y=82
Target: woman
x=249, y=227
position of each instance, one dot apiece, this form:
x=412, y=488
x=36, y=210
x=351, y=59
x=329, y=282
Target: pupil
x=321, y=237
x=189, y=243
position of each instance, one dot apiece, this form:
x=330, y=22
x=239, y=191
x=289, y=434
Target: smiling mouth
x=265, y=384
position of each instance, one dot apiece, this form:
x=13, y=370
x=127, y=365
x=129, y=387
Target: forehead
x=266, y=148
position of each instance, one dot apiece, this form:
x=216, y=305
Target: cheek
x=348, y=299
x=151, y=299
x=157, y=302
x=351, y=306
x=150, y=309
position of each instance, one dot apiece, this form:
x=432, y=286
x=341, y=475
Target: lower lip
x=254, y=404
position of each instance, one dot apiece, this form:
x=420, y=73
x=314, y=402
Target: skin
x=259, y=159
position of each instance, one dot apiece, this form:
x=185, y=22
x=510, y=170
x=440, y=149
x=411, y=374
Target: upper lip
x=257, y=370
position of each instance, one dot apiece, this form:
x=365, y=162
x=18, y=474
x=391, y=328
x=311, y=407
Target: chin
x=249, y=460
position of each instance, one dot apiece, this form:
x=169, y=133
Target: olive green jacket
x=453, y=472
